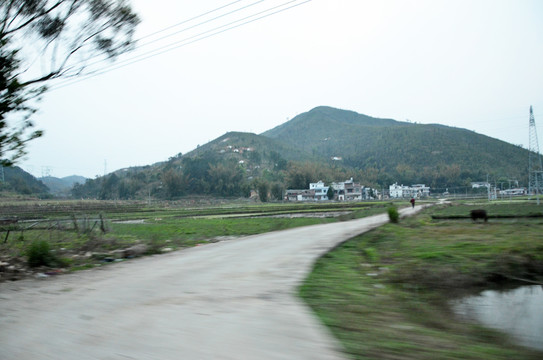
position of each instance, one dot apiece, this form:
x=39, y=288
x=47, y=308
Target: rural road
x=228, y=300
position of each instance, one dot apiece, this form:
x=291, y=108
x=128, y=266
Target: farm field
x=385, y=293
x=72, y=235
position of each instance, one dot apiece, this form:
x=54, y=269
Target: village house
x=300, y=195
x=416, y=191
x=343, y=191
x=347, y=190
x=321, y=191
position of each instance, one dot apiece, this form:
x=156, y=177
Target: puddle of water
x=517, y=312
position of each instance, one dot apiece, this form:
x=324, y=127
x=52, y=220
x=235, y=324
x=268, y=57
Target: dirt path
x=229, y=300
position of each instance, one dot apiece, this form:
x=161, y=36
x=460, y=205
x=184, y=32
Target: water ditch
x=517, y=312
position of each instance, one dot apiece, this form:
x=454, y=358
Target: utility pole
x=535, y=166
x=487, y=187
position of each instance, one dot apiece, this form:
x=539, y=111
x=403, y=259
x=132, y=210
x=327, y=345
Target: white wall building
x=401, y=191
x=320, y=189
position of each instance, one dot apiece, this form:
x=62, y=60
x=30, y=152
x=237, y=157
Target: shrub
x=393, y=214
x=39, y=254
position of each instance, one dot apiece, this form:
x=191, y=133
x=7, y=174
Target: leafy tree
x=277, y=191
x=330, y=193
x=226, y=179
x=279, y=163
x=110, y=187
x=89, y=189
x=13, y=99
x=255, y=157
x=263, y=189
x=63, y=37
x=196, y=169
x=174, y=182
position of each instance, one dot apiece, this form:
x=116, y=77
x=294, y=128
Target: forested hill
x=234, y=142
x=323, y=144
x=17, y=180
x=320, y=120
x=400, y=151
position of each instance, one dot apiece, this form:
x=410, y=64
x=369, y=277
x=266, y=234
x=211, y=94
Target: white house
x=401, y=191
x=348, y=190
x=339, y=190
x=396, y=191
x=420, y=190
x=320, y=189
x=345, y=190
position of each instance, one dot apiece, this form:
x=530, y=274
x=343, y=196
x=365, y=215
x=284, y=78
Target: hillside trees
x=226, y=179
x=263, y=190
x=62, y=37
x=330, y=193
x=277, y=191
x=174, y=182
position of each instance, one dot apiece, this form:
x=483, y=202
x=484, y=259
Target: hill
x=437, y=155
x=227, y=166
x=61, y=186
x=17, y=180
x=322, y=144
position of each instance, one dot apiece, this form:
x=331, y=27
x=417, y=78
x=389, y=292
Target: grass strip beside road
x=384, y=294
x=157, y=230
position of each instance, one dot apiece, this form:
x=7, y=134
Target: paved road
x=229, y=300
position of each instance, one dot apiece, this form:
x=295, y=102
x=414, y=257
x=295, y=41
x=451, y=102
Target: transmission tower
x=535, y=167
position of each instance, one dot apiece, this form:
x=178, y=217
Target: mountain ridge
x=322, y=144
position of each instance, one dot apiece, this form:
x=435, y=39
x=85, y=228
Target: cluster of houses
x=342, y=191
x=416, y=191
x=493, y=191
x=350, y=190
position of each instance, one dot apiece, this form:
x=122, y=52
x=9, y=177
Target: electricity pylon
x=535, y=167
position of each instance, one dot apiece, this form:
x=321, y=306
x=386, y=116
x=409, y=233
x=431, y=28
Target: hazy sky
x=474, y=64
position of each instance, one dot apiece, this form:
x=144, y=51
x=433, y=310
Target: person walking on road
x=412, y=201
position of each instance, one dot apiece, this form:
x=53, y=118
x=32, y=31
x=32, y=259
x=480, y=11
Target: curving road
x=229, y=300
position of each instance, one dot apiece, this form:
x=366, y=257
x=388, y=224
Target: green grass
x=384, y=294
x=197, y=229
x=495, y=208
x=171, y=225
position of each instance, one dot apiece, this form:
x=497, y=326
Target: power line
x=139, y=46
x=199, y=24
x=188, y=20
x=187, y=41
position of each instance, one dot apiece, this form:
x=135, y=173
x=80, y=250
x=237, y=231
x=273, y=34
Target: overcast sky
x=474, y=64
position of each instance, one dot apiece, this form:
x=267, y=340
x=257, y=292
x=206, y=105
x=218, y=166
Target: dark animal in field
x=478, y=214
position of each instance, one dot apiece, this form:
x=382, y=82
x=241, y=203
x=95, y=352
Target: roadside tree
x=43, y=40
x=330, y=193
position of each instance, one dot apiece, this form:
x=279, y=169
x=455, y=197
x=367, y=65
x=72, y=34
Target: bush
x=393, y=214
x=39, y=254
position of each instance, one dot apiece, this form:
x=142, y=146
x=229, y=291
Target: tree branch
x=5, y=20
x=32, y=19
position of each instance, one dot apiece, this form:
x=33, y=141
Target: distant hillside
x=322, y=120
x=322, y=144
x=19, y=181
x=434, y=154
x=62, y=186
x=232, y=141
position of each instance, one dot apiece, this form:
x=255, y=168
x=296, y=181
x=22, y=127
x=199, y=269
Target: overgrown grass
x=169, y=226
x=192, y=230
x=384, y=294
x=501, y=208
